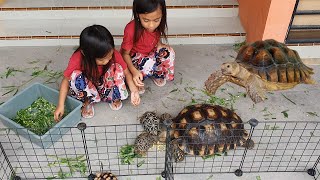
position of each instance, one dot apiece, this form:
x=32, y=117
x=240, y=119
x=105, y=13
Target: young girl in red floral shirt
x=142, y=49
x=96, y=72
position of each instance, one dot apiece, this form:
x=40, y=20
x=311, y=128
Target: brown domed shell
x=205, y=129
x=273, y=61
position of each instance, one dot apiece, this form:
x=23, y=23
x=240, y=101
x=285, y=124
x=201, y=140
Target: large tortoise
x=262, y=66
x=203, y=130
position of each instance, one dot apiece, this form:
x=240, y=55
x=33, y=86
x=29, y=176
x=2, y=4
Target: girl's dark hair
x=95, y=42
x=149, y=6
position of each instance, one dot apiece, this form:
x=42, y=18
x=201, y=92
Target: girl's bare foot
x=116, y=105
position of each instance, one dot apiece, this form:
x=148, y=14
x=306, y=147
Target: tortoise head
x=230, y=68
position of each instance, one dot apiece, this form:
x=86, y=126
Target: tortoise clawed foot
x=178, y=155
x=257, y=99
x=250, y=144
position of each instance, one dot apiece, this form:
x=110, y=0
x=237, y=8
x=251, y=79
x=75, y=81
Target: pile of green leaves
x=237, y=46
x=38, y=117
x=127, y=154
x=74, y=165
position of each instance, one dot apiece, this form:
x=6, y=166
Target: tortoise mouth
x=225, y=71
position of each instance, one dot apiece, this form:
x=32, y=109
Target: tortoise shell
x=273, y=61
x=207, y=129
x=144, y=142
x=150, y=122
x=105, y=176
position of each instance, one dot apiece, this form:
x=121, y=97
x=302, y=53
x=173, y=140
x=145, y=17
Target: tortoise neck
x=243, y=73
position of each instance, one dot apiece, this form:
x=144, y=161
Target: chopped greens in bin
x=38, y=117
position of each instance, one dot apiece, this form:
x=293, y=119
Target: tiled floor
x=194, y=63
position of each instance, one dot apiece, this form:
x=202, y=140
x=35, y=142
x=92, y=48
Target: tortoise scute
x=282, y=74
x=262, y=59
x=278, y=56
x=273, y=42
x=290, y=73
x=246, y=53
x=272, y=74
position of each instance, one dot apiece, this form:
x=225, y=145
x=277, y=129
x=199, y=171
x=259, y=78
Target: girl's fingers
x=57, y=117
x=136, y=82
x=139, y=82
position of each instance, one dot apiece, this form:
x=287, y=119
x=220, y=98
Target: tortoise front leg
x=214, y=81
x=255, y=89
x=217, y=79
x=177, y=153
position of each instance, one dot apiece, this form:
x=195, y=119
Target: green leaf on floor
x=237, y=46
x=140, y=163
x=210, y=177
x=10, y=72
x=127, y=154
x=285, y=114
x=312, y=114
x=164, y=104
x=174, y=90
x=258, y=178
x=288, y=99
x=269, y=127
x=33, y=62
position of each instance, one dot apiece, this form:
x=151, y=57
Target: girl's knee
x=75, y=74
x=172, y=52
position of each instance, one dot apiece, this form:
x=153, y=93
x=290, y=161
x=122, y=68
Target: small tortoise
x=152, y=125
x=205, y=130
x=262, y=66
x=144, y=142
x=104, y=176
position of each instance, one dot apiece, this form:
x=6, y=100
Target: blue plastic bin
x=25, y=98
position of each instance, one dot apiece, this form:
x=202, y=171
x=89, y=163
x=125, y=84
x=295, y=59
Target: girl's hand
x=58, y=113
x=137, y=78
x=135, y=98
x=160, y=46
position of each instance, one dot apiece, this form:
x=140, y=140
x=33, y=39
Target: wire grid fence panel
x=104, y=145
x=5, y=171
x=317, y=176
x=94, y=149
x=279, y=147
x=31, y=161
x=283, y=147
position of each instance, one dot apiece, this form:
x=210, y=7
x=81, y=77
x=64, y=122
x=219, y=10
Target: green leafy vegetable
x=38, y=117
x=76, y=164
x=127, y=154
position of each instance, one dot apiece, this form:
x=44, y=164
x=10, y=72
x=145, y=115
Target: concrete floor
x=194, y=63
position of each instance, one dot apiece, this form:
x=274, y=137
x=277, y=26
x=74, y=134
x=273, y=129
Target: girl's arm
x=64, y=88
x=160, y=45
x=135, y=98
x=136, y=74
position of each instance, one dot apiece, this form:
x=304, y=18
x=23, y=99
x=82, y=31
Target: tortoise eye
x=228, y=66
